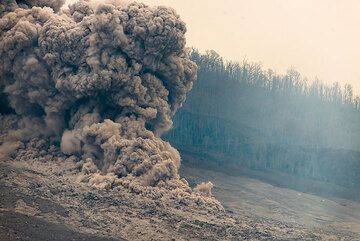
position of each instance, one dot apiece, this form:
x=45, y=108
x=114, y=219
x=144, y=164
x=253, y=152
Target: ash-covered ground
x=42, y=201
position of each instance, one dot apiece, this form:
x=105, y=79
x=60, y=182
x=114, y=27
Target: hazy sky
x=317, y=37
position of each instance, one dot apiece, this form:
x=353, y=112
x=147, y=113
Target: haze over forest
x=270, y=122
x=317, y=38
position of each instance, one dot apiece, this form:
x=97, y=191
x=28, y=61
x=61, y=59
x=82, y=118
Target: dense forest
x=264, y=120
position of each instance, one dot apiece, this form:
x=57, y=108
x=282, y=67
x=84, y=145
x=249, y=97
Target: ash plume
x=97, y=83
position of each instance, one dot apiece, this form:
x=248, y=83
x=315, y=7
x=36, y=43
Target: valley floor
x=281, y=207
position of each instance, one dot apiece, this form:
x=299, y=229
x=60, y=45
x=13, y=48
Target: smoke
x=99, y=80
x=204, y=188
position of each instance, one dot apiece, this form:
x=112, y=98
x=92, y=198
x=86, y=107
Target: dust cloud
x=96, y=83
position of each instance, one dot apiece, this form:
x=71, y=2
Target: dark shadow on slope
x=16, y=226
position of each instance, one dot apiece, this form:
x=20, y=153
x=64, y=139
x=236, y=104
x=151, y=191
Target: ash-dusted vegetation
x=263, y=120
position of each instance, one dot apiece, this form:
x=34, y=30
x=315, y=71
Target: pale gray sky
x=317, y=37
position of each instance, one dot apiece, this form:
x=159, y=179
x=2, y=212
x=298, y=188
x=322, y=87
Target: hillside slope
x=266, y=121
x=41, y=201
x=272, y=201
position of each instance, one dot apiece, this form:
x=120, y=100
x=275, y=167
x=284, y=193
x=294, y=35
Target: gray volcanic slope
x=41, y=201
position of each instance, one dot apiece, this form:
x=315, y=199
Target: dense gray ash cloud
x=101, y=81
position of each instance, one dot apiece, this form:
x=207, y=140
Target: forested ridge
x=264, y=120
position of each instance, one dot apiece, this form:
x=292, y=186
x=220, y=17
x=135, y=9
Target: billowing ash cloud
x=100, y=82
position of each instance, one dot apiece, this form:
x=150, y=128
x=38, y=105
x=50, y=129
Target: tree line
x=252, y=73
x=264, y=120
